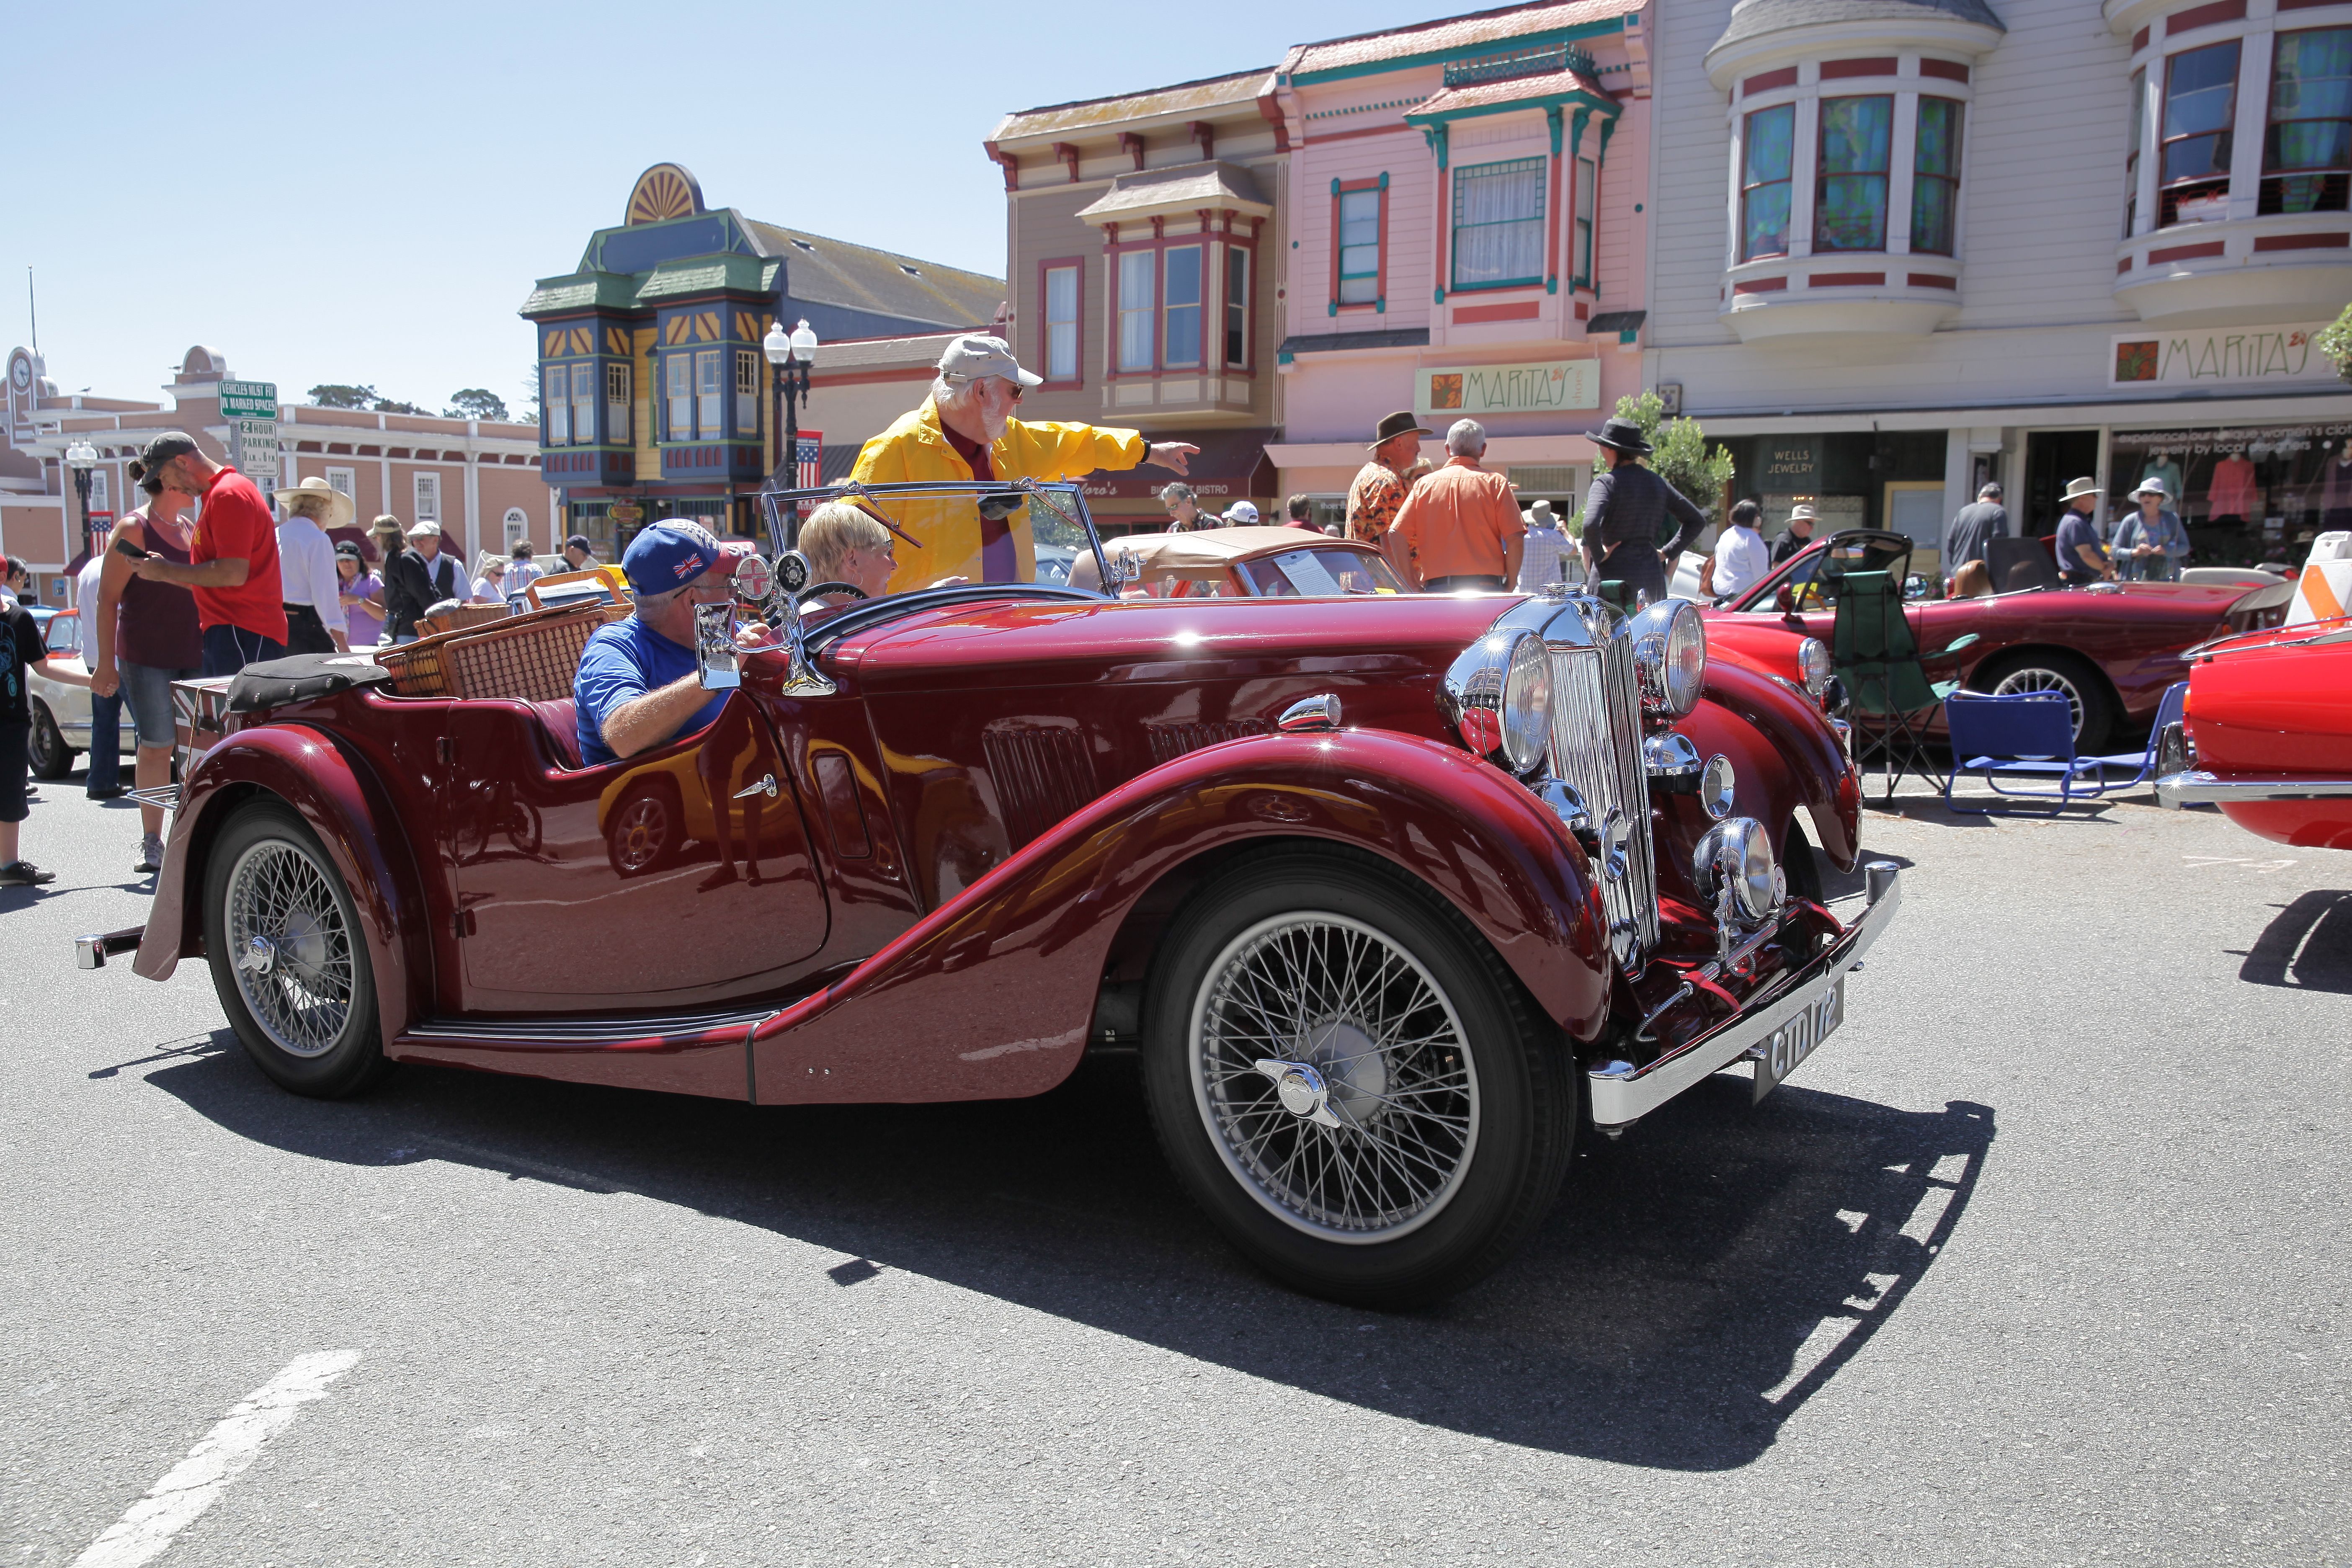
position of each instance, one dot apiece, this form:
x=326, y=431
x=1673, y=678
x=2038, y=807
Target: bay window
x=1359, y=225
x=1768, y=156
x=616, y=403
x=555, y=403
x=1061, y=323
x=1498, y=225
x=1936, y=177
x=1587, y=179
x=2201, y=104
x=1137, y=298
x=2307, y=149
x=708, y=394
x=583, y=405
x=1850, y=202
x=746, y=392
x=680, y=370
x=1237, y=285
x=1183, y=290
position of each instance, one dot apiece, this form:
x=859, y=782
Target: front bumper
x=1622, y=1093
x=2198, y=788
x=92, y=952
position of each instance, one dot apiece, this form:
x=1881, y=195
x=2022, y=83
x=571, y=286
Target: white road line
x=189, y=1487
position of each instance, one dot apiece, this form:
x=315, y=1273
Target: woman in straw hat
x=309, y=587
x=2150, y=544
x=1625, y=513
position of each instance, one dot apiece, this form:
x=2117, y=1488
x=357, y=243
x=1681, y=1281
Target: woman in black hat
x=1625, y=511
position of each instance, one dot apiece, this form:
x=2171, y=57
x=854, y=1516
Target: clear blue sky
x=346, y=192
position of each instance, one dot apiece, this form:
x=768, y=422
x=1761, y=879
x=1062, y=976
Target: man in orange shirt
x=1460, y=528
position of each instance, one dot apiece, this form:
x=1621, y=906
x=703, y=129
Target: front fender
x=1818, y=774
x=341, y=802
x=991, y=995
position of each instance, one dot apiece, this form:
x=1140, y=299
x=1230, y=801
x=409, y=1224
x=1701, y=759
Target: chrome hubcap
x=293, y=951
x=1334, y=1078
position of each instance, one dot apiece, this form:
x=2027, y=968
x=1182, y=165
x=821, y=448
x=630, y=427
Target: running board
x=653, y=1031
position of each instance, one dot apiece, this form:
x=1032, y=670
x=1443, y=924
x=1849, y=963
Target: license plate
x=1780, y=1052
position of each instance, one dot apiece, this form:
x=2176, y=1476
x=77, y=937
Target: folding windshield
x=1812, y=578
x=949, y=533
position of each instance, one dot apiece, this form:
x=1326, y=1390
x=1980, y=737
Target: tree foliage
x=1679, y=453
x=336, y=395
x=2335, y=342
x=475, y=403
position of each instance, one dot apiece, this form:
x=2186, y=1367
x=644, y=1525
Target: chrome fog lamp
x=1498, y=695
x=1670, y=651
x=1814, y=666
x=1734, y=861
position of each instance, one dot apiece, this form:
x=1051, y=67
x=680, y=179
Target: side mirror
x=1785, y=600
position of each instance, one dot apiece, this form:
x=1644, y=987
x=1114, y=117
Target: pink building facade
x=1465, y=204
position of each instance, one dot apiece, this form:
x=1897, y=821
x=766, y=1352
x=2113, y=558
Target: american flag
x=810, y=466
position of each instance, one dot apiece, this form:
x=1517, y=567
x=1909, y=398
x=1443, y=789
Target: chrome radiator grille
x=1596, y=748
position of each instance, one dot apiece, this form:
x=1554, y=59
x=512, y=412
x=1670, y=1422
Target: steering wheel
x=822, y=589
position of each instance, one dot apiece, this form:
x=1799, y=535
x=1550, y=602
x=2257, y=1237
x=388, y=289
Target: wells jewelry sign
x=2213, y=356
x=1474, y=391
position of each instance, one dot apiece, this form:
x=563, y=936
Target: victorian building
x=655, y=400
x=1905, y=246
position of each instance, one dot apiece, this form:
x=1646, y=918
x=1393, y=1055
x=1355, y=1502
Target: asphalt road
x=2040, y=1261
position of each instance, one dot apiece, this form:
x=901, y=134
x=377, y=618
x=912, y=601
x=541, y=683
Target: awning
x=1230, y=465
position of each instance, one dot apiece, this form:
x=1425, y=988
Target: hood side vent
x=1042, y=772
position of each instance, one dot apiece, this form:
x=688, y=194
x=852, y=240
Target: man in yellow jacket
x=965, y=430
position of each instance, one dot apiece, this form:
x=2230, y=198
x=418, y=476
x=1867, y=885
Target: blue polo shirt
x=621, y=663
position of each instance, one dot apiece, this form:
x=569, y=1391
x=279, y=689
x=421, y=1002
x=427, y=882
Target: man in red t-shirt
x=232, y=557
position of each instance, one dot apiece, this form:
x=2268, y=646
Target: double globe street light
x=792, y=357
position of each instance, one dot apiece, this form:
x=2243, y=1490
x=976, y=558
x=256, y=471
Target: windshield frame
x=1064, y=498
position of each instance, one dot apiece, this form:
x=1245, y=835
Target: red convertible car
x=1392, y=893
x=2112, y=648
x=2267, y=734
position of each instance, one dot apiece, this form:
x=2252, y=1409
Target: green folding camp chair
x=1872, y=646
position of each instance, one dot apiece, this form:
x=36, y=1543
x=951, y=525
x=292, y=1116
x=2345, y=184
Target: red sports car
x=2112, y=648
x=1392, y=893
x=2267, y=734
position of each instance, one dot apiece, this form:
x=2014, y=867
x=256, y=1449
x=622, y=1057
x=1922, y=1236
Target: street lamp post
x=792, y=357
x=82, y=458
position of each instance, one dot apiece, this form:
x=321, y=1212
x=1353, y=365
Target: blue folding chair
x=2027, y=732
x=2143, y=763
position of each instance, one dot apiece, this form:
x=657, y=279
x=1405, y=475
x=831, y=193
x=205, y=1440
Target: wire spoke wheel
x=290, y=947
x=2040, y=677
x=1334, y=1077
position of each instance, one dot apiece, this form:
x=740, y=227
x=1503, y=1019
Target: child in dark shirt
x=21, y=652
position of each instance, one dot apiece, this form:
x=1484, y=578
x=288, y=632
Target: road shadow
x=2308, y=947
x=1698, y=1281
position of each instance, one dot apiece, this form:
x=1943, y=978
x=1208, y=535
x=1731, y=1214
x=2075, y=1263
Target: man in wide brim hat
x=1621, y=436
x=1379, y=486
x=331, y=508
x=2082, y=554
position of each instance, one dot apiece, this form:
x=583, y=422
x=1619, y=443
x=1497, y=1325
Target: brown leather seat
x=560, y=720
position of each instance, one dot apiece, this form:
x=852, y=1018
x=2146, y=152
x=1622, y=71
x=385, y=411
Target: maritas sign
x=1476, y=391
x=2217, y=355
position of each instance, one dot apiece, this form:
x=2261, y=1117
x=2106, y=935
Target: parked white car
x=61, y=712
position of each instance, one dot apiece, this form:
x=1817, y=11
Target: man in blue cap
x=638, y=686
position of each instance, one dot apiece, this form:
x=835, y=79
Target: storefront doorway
x=2052, y=458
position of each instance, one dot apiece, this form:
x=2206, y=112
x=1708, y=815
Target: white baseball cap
x=978, y=354
x=1241, y=511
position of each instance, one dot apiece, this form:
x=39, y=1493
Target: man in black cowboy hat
x=1626, y=511
x=1382, y=484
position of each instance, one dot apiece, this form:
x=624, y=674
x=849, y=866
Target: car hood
x=1033, y=643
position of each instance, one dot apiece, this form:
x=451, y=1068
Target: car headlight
x=1498, y=695
x=1814, y=666
x=1737, y=855
x=1670, y=651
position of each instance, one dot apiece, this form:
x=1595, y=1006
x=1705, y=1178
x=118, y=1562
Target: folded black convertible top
x=259, y=687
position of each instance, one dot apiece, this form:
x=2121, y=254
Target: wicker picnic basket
x=531, y=657
x=464, y=618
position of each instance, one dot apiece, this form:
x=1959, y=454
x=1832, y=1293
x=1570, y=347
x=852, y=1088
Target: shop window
x=2307, y=149
x=516, y=525
x=583, y=405
x=345, y=482
x=1850, y=206
x=1237, y=301
x=709, y=394
x=1361, y=220
x=1183, y=290
x=555, y=405
x=1936, y=177
x=1498, y=225
x=680, y=425
x=2200, y=100
x=2138, y=137
x=746, y=392
x=1061, y=322
x=98, y=501
x=428, y=498
x=1587, y=180
x=1138, y=294
x=1768, y=153
x=616, y=403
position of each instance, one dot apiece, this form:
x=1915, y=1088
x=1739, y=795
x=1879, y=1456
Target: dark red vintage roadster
x=1392, y=894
